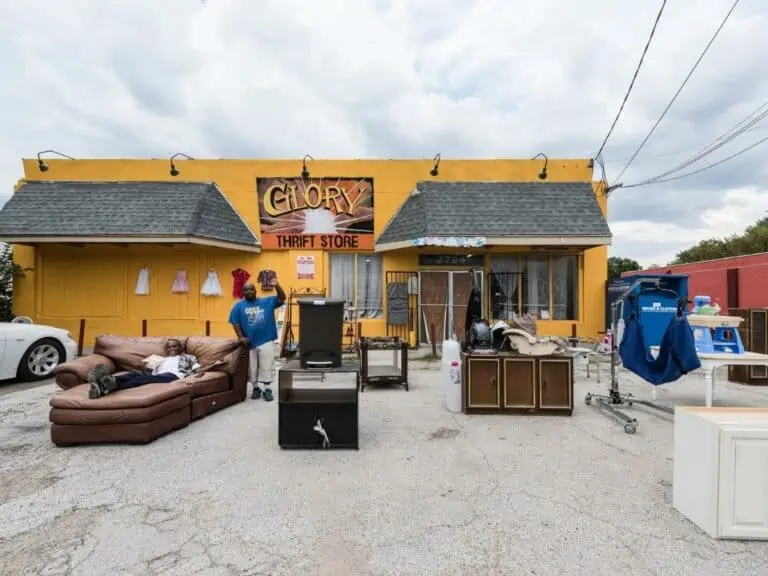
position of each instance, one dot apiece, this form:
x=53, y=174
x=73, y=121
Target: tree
x=9, y=271
x=753, y=241
x=710, y=249
x=618, y=265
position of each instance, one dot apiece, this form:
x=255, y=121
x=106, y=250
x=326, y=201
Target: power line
x=676, y=151
x=679, y=90
x=700, y=170
x=634, y=77
x=745, y=125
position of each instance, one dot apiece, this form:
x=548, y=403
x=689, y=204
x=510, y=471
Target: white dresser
x=720, y=480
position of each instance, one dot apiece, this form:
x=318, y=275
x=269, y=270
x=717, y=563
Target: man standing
x=253, y=319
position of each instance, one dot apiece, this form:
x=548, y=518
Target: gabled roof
x=192, y=212
x=497, y=213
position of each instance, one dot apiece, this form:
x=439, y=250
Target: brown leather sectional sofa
x=142, y=414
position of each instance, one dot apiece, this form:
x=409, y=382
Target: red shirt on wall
x=240, y=277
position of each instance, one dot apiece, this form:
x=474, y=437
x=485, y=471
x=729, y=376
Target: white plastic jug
x=451, y=352
x=451, y=374
x=453, y=387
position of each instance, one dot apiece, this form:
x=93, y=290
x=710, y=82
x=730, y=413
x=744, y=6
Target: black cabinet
x=317, y=414
x=340, y=421
x=295, y=425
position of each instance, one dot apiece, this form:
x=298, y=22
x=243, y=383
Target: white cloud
x=406, y=78
x=662, y=240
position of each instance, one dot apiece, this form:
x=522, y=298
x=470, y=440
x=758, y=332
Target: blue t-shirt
x=256, y=319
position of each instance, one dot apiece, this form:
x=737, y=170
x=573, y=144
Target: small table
x=395, y=373
x=711, y=362
x=321, y=416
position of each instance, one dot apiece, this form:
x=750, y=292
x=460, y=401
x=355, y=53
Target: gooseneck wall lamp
x=435, y=165
x=543, y=173
x=175, y=171
x=42, y=166
x=304, y=170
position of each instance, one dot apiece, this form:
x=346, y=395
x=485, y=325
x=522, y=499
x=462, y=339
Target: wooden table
x=710, y=362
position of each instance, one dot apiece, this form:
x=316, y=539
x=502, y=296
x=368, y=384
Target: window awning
x=124, y=213
x=475, y=214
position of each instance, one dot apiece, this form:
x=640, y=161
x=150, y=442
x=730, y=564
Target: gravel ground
x=13, y=386
x=429, y=493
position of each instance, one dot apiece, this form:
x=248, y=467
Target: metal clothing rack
x=610, y=402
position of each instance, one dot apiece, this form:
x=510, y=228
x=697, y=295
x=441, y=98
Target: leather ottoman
x=135, y=416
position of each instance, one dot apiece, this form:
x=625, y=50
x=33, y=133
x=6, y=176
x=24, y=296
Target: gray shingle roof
x=497, y=209
x=167, y=209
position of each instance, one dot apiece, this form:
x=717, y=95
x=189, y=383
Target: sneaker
x=267, y=394
x=256, y=394
x=109, y=384
x=101, y=382
x=94, y=391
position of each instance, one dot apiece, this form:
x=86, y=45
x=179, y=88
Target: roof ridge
x=197, y=214
x=131, y=182
x=420, y=204
x=100, y=209
x=498, y=209
x=218, y=190
x=429, y=183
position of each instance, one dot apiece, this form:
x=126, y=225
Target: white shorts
x=261, y=364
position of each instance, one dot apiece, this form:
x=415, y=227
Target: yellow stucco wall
x=67, y=283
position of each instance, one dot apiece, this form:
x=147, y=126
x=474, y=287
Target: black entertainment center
x=318, y=414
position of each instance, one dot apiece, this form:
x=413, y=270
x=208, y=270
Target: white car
x=31, y=352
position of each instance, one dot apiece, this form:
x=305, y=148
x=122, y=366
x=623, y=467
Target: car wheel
x=40, y=360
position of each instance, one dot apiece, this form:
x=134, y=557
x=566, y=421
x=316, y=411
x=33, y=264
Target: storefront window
x=547, y=286
x=504, y=283
x=357, y=279
x=536, y=286
x=565, y=288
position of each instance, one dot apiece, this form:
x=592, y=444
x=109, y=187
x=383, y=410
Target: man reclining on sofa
x=173, y=366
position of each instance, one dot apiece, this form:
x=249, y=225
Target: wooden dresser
x=512, y=383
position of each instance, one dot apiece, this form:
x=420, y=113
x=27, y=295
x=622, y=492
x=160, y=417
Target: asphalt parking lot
x=429, y=493
x=13, y=386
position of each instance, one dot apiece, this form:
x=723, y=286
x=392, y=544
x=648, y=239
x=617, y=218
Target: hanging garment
x=180, y=283
x=677, y=354
x=397, y=304
x=142, y=283
x=267, y=279
x=240, y=277
x=474, y=306
x=211, y=286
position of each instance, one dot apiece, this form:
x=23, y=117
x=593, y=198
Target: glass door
x=461, y=289
x=443, y=303
x=433, y=305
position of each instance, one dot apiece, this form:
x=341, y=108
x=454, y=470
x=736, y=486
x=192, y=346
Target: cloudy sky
x=403, y=78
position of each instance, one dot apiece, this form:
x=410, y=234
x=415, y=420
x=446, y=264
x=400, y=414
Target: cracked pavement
x=429, y=493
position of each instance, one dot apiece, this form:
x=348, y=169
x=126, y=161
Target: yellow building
x=395, y=238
